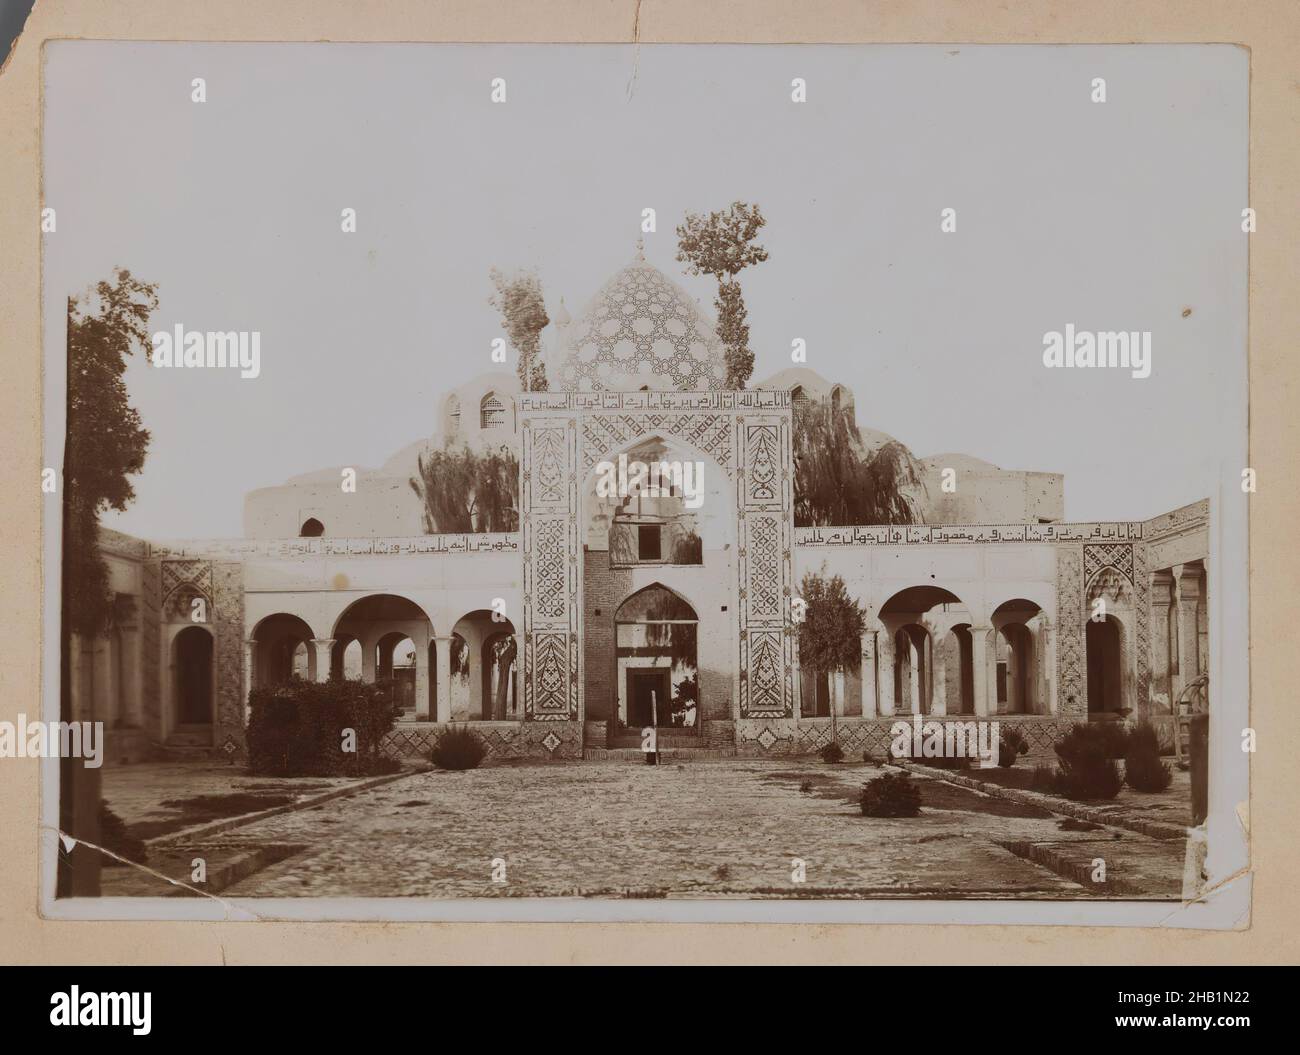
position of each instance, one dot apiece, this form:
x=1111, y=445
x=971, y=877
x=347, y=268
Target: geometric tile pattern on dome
x=641, y=329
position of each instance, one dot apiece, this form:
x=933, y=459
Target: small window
x=492, y=414
x=453, y=415
x=648, y=540
x=798, y=396
x=311, y=528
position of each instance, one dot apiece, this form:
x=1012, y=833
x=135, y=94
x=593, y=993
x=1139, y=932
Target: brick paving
x=137, y=793
x=726, y=828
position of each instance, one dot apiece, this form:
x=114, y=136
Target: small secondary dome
x=641, y=331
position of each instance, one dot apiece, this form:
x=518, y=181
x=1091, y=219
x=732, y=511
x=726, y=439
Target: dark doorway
x=641, y=683
x=1103, y=648
x=193, y=677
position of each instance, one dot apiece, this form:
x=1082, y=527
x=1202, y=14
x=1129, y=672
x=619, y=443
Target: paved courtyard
x=729, y=828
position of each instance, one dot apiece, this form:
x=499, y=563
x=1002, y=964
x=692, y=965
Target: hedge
x=297, y=728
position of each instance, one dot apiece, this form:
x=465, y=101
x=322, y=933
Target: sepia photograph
x=693, y=481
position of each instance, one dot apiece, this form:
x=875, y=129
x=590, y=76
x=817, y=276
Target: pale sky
x=1110, y=216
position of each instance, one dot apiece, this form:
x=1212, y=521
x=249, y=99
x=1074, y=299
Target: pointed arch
x=491, y=412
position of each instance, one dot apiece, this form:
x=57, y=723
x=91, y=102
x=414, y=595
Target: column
x=925, y=682
x=422, y=681
x=986, y=701
x=133, y=703
x=442, y=646
x=939, y=679
x=1048, y=703
x=75, y=685
x=101, y=658
x=869, y=702
x=915, y=658
x=250, y=672
x=1034, y=686
x=885, y=663
x=1189, y=590
x=1015, y=703
x=515, y=703
x=368, y=660
x=323, y=647
x=1162, y=596
x=474, y=640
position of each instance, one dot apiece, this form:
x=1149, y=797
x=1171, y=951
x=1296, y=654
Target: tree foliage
x=830, y=636
x=836, y=483
x=518, y=298
x=106, y=442
x=721, y=244
x=466, y=491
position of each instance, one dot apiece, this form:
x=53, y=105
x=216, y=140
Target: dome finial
x=640, y=249
x=562, y=315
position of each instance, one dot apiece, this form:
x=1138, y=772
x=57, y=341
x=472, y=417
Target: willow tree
x=466, y=491
x=836, y=482
x=721, y=244
x=518, y=298
x=105, y=445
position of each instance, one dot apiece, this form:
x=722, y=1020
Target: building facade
x=675, y=605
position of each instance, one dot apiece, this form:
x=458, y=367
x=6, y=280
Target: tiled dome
x=640, y=330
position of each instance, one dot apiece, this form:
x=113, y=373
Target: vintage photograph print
x=663, y=482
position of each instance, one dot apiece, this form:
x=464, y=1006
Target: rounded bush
x=1011, y=745
x=458, y=749
x=891, y=795
x=1087, y=766
x=1143, y=768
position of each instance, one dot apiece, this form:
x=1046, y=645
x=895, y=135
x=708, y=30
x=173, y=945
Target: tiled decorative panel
x=549, y=512
x=565, y=435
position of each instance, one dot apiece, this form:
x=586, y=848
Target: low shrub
x=301, y=728
x=1143, y=769
x=1087, y=768
x=832, y=753
x=117, y=839
x=891, y=795
x=1043, y=778
x=458, y=748
x=1113, y=737
x=1011, y=745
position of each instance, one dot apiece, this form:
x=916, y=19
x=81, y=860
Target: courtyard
x=788, y=828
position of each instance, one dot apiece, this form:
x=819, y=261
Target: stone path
x=727, y=828
x=154, y=798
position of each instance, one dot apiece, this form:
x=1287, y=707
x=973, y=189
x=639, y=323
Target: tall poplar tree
x=518, y=298
x=720, y=244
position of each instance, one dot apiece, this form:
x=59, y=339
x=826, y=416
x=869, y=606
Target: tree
x=830, y=635
x=105, y=444
x=518, y=298
x=504, y=656
x=464, y=491
x=719, y=244
x=837, y=483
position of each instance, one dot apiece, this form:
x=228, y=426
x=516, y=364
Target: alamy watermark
x=24, y=739
x=656, y=479
x=969, y=739
x=209, y=349
x=1114, y=349
x=76, y=1008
